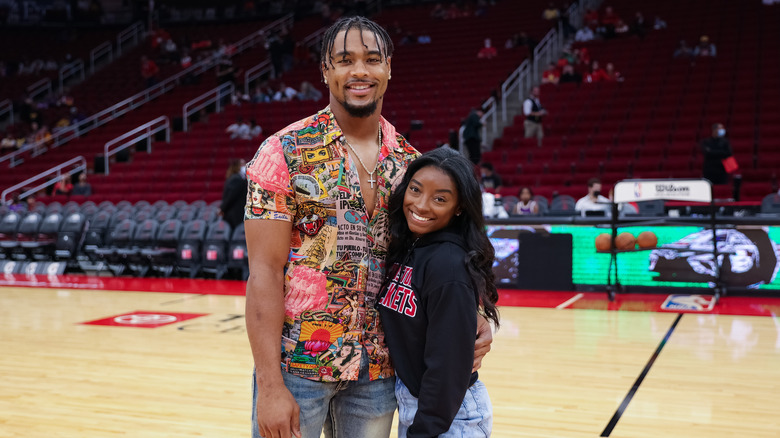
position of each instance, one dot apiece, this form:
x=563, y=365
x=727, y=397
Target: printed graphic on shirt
x=400, y=296
x=334, y=269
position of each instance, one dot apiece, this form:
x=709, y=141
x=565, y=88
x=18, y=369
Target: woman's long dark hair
x=470, y=224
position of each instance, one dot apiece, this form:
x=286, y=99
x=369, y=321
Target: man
x=533, y=111
x=489, y=179
x=715, y=149
x=316, y=227
x=472, y=135
x=594, y=200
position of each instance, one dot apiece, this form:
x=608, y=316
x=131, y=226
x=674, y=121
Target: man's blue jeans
x=347, y=409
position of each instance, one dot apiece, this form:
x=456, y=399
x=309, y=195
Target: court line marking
x=570, y=301
x=622, y=408
x=181, y=300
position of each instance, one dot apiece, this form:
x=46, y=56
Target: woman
x=526, y=205
x=234, y=193
x=439, y=277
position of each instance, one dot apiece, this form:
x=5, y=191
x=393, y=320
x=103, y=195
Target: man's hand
x=484, y=339
x=278, y=415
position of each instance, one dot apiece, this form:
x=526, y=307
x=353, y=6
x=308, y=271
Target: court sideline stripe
x=622, y=408
x=570, y=301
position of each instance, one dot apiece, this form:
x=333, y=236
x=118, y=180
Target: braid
x=360, y=23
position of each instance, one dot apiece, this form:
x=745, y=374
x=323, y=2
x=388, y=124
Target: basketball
x=647, y=239
x=603, y=241
x=625, y=240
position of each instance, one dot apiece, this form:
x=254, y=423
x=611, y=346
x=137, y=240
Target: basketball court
x=100, y=357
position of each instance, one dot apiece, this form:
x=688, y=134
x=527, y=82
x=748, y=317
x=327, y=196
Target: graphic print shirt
x=304, y=175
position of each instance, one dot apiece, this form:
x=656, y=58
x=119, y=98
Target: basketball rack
x=637, y=190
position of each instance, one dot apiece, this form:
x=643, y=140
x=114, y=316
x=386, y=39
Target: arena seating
x=650, y=125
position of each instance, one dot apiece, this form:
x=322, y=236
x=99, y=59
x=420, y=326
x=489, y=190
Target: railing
x=489, y=119
x=214, y=96
x=67, y=71
x=256, y=72
x=133, y=102
x=41, y=87
x=7, y=107
x=132, y=33
x=78, y=164
x=519, y=81
x=143, y=132
x=104, y=50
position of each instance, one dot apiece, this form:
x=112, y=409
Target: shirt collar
x=332, y=131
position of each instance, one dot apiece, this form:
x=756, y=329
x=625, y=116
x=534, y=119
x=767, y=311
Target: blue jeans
x=473, y=420
x=346, y=409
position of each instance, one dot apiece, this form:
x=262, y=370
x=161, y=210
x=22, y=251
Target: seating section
x=127, y=239
x=650, y=125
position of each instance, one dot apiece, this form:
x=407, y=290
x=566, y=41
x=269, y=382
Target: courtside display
x=751, y=256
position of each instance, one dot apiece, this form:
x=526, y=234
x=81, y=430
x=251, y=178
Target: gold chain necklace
x=371, y=179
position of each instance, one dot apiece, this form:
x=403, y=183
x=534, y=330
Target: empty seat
x=214, y=257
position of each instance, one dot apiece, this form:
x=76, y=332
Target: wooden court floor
x=552, y=373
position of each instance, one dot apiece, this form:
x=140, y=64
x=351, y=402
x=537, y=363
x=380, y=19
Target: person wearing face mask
x=716, y=149
x=594, y=200
x=234, y=194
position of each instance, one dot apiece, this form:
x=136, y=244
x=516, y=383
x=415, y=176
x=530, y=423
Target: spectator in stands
x=284, y=93
x=239, y=129
x=638, y=25
x=262, y=93
x=612, y=75
x=238, y=97
x=488, y=178
x=551, y=75
x=8, y=144
x=424, y=38
x=17, y=204
x=472, y=135
x=609, y=22
x=716, y=149
x=534, y=112
x=596, y=74
x=683, y=50
x=76, y=116
x=487, y=51
x=64, y=186
x=254, y=130
x=594, y=200
x=551, y=13
x=308, y=92
x=149, y=71
x=226, y=72
x=585, y=34
x=659, y=23
x=288, y=51
x=276, y=52
x=438, y=12
x=591, y=18
x=526, y=204
x=408, y=39
x=705, y=48
x=569, y=75
x=82, y=188
x=234, y=193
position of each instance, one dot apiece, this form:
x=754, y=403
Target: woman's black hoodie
x=429, y=313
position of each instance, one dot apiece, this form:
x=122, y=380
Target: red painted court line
x=127, y=284
x=748, y=306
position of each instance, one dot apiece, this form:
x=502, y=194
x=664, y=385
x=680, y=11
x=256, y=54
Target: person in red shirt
x=609, y=22
x=64, y=186
x=487, y=51
x=612, y=74
x=597, y=74
x=149, y=71
x=551, y=75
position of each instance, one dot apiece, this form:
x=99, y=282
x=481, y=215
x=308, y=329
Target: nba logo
x=692, y=303
x=637, y=190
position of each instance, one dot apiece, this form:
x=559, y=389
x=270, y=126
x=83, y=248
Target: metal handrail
x=7, y=106
x=143, y=132
x=39, y=87
x=520, y=79
x=131, y=33
x=489, y=117
x=256, y=72
x=212, y=96
x=126, y=105
x=82, y=166
x=69, y=70
x=105, y=49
